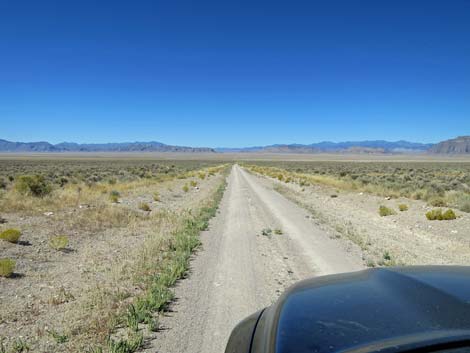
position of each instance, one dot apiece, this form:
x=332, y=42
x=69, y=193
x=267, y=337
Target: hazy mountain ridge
x=458, y=145
x=377, y=146
x=8, y=146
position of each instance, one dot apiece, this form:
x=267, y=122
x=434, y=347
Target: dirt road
x=239, y=270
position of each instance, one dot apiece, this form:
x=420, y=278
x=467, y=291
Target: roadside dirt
x=51, y=290
x=239, y=270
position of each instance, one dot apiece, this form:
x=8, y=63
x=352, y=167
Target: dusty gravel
x=239, y=270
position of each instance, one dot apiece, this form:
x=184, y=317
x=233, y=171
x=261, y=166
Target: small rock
x=388, y=198
x=48, y=213
x=454, y=231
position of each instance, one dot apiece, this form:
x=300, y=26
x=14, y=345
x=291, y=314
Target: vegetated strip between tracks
x=239, y=270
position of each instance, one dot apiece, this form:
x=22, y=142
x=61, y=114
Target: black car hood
x=373, y=310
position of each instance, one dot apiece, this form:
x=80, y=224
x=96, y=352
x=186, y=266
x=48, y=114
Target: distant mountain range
x=459, y=145
x=378, y=146
x=8, y=146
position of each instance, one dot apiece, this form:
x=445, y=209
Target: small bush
x=385, y=211
x=186, y=188
x=59, y=242
x=144, y=207
x=267, y=232
x=278, y=231
x=7, y=267
x=438, y=215
x=202, y=175
x=33, y=185
x=333, y=196
x=437, y=202
x=387, y=256
x=465, y=207
x=11, y=235
x=193, y=183
x=114, y=196
x=402, y=207
x=156, y=196
x=449, y=215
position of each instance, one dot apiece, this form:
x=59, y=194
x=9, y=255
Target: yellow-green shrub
x=385, y=211
x=59, y=242
x=33, y=185
x=7, y=267
x=11, y=235
x=402, y=207
x=186, y=188
x=438, y=215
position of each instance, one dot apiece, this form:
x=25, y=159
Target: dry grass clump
x=385, y=211
x=156, y=196
x=59, y=242
x=7, y=266
x=438, y=215
x=437, y=202
x=144, y=207
x=11, y=235
x=103, y=216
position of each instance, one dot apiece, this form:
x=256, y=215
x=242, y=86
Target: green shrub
x=7, y=267
x=193, y=183
x=186, y=188
x=59, y=242
x=33, y=185
x=278, y=231
x=144, y=207
x=385, y=211
x=402, y=207
x=11, y=235
x=438, y=215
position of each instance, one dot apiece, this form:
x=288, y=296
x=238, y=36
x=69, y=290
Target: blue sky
x=239, y=73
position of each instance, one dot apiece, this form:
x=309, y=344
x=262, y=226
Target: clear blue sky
x=234, y=73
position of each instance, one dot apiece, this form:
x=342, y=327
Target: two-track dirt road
x=239, y=271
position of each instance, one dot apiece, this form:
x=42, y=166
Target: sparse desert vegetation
x=94, y=266
x=440, y=184
x=384, y=208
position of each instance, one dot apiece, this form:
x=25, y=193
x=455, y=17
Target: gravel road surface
x=239, y=271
